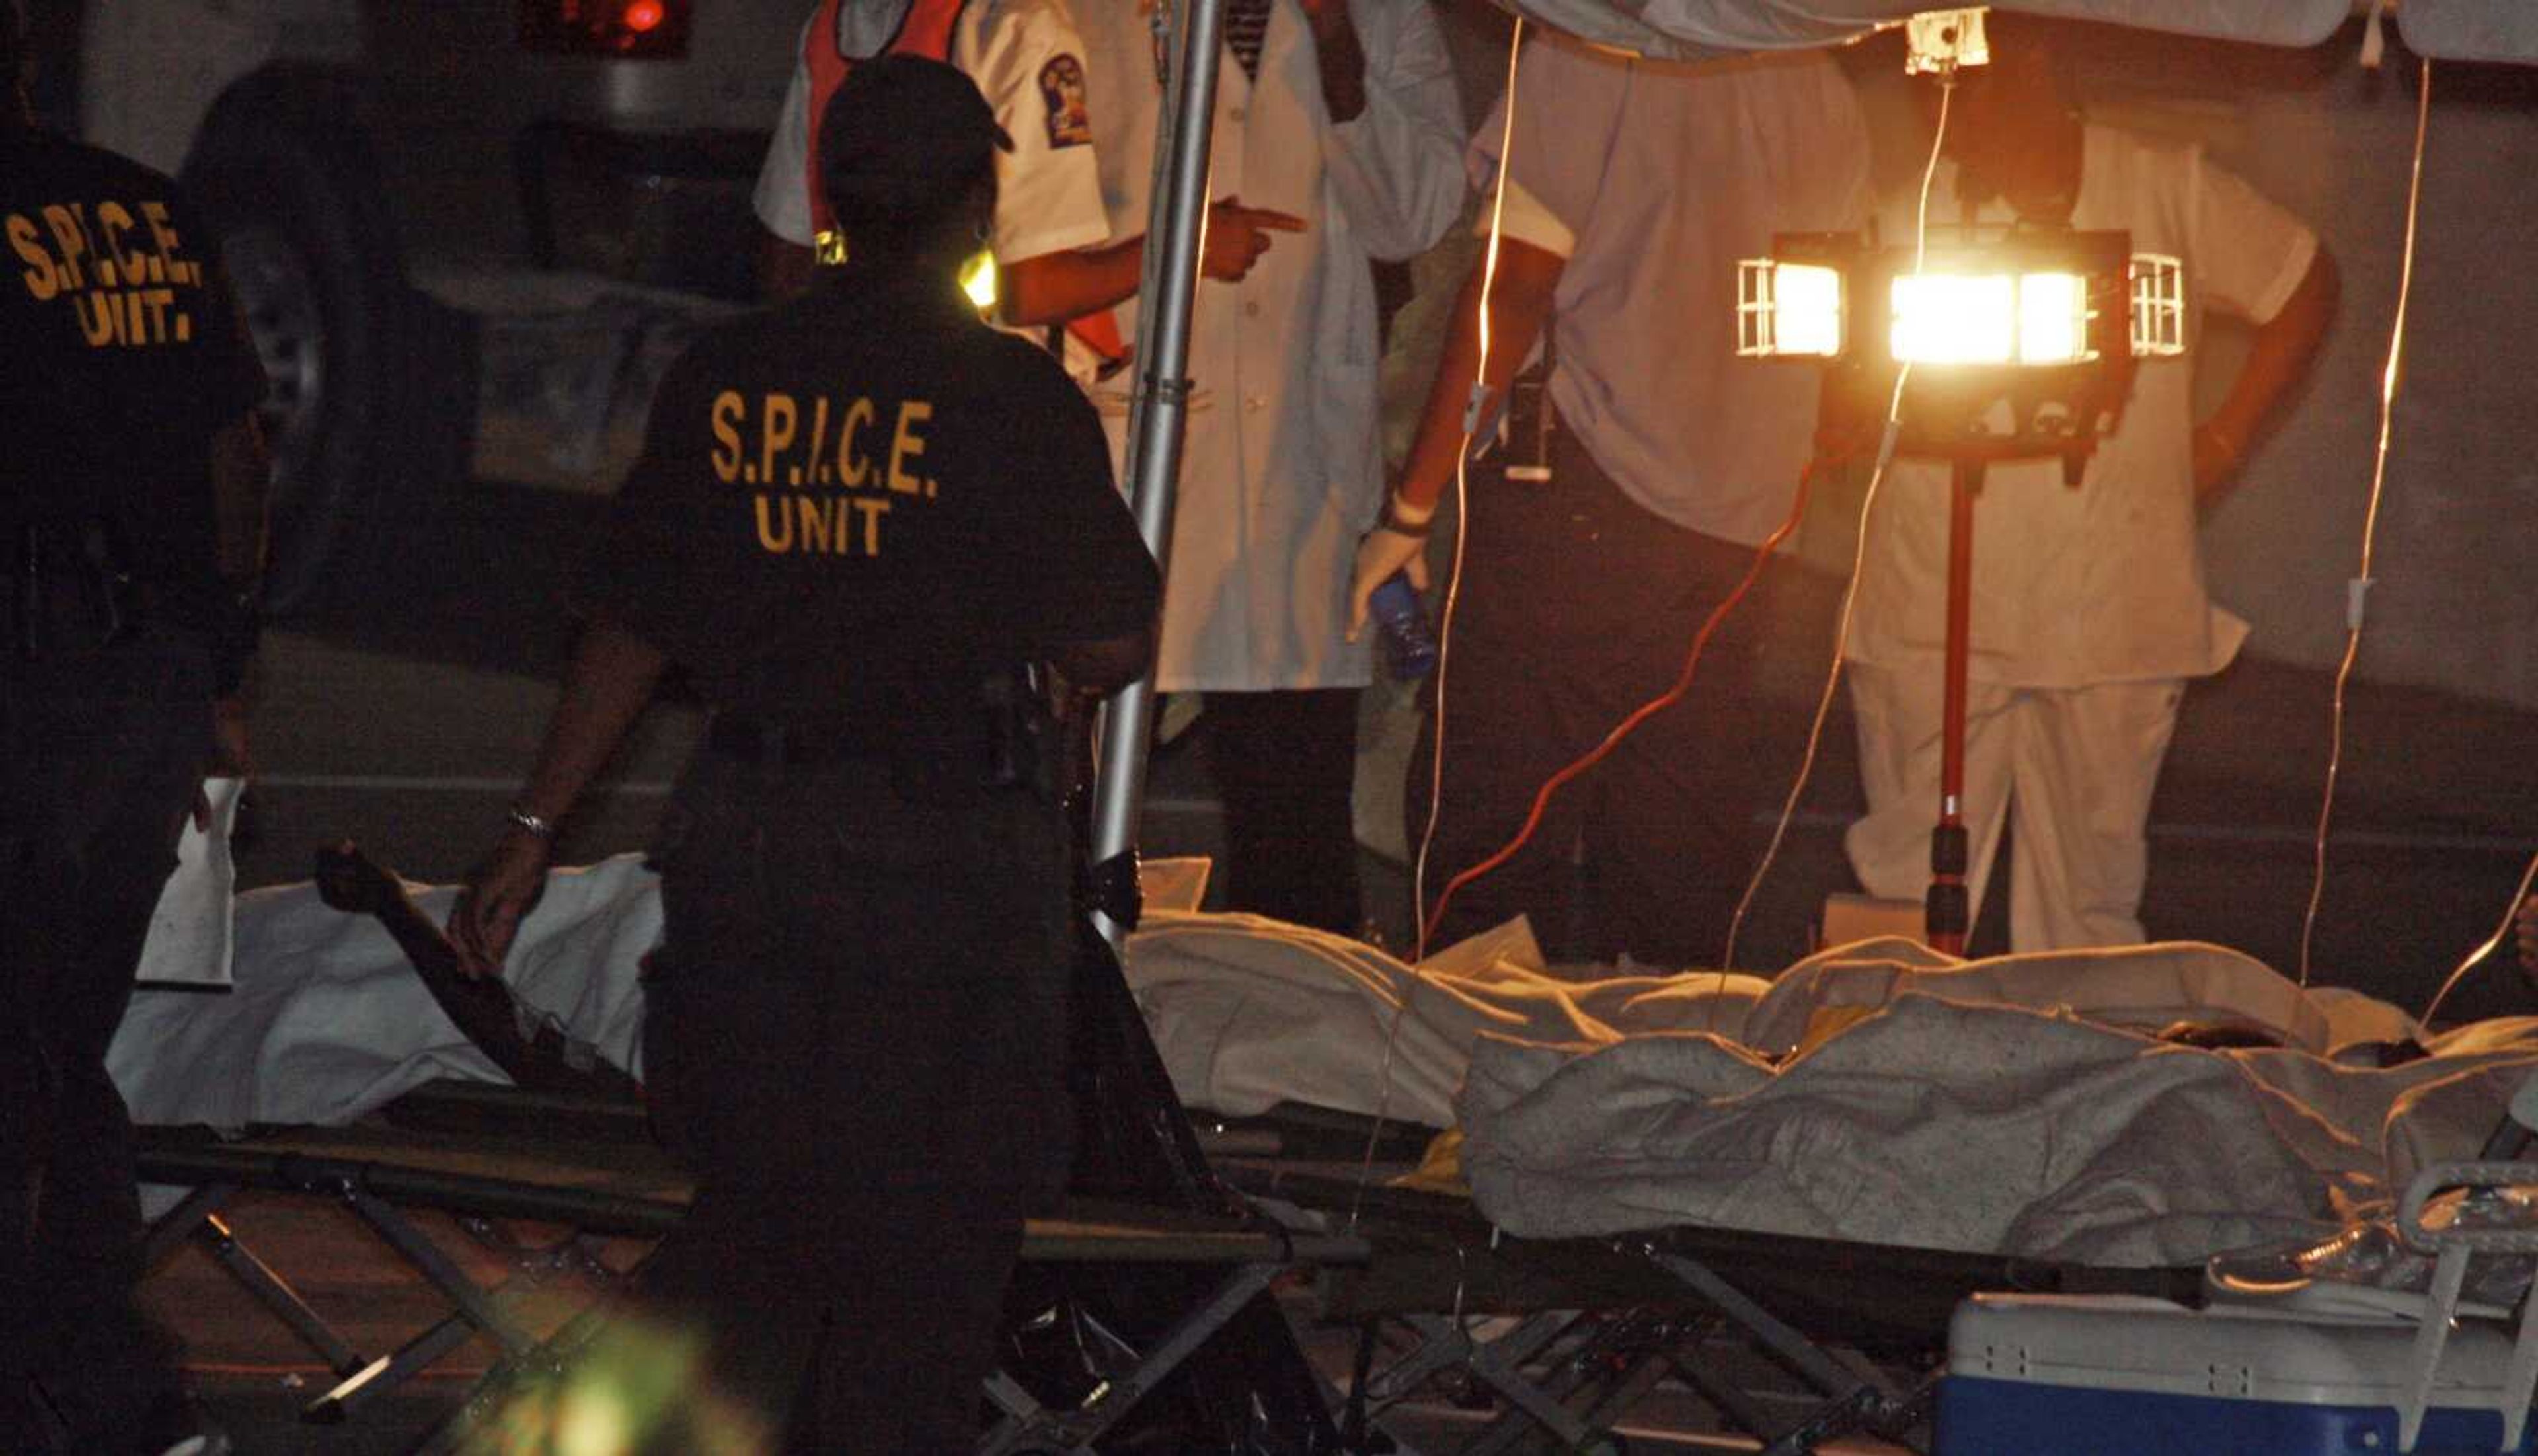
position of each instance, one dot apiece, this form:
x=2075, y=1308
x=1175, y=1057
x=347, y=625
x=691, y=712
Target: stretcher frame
x=1566, y=1336
x=361, y=1171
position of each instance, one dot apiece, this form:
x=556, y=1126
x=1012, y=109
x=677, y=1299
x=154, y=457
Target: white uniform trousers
x=2076, y=764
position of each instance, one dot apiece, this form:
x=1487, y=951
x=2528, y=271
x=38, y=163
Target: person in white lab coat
x=1341, y=114
x=2089, y=609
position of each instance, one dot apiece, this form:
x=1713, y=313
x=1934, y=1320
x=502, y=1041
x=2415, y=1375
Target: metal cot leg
x=197, y=1219
x=1027, y=1424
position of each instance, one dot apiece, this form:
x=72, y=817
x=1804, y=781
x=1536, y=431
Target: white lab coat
x=1283, y=467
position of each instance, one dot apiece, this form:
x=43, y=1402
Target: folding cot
x=1568, y=1334
x=593, y=1184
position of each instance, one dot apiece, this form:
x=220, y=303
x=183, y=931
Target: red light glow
x=643, y=16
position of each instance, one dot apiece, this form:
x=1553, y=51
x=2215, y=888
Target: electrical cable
x=1858, y=563
x=1430, y=919
x=1645, y=711
x=2492, y=943
x=2358, y=590
x=1472, y=411
x=1445, y=621
x=1823, y=701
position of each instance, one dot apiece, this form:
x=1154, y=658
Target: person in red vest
x=1056, y=261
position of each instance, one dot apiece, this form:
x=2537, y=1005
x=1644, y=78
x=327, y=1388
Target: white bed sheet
x=1879, y=1093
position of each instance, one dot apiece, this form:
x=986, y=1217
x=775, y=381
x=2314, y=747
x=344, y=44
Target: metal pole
x=1946, y=914
x=1174, y=220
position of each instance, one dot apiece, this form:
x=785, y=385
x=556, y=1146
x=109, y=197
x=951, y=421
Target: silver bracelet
x=522, y=818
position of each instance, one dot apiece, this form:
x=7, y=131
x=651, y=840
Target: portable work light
x=2020, y=342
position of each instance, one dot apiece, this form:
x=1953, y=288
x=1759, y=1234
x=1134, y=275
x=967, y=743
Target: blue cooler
x=2113, y=1375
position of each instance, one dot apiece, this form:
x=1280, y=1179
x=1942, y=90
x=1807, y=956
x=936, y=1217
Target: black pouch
x=1025, y=748
x=1533, y=420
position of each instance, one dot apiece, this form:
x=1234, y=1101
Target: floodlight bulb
x=2052, y=319
x=1944, y=318
x=1807, y=305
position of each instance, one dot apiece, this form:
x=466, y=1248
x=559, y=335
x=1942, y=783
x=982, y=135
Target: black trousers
x=1579, y=606
x=855, y=1034
x=100, y=760
x=1285, y=765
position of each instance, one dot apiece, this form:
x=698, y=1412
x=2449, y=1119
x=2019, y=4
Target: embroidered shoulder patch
x=1061, y=89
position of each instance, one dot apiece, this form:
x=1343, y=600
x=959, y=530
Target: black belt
x=798, y=745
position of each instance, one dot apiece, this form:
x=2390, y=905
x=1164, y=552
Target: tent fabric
x=1694, y=30
x=2485, y=31
x=2471, y=30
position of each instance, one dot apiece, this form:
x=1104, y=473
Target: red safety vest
x=925, y=30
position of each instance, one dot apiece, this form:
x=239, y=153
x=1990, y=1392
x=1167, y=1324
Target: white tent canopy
x=2446, y=30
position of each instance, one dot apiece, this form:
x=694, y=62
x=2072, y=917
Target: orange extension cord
x=1640, y=715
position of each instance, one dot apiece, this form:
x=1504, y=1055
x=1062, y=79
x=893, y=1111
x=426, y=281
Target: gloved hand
x=1380, y=552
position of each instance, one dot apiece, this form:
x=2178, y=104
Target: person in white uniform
x=1631, y=189
x=2089, y=609
x=1052, y=238
x=1343, y=115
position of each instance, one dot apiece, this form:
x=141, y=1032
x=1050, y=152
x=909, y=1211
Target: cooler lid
x=2118, y=1342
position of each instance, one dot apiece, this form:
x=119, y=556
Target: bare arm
x=612, y=677
x=2278, y=359
x=1056, y=286
x=1519, y=304
x=1106, y=666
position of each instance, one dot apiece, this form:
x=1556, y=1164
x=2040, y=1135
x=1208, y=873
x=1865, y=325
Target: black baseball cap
x=904, y=136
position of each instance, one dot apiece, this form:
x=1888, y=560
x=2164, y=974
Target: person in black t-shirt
x=131, y=509
x=854, y=519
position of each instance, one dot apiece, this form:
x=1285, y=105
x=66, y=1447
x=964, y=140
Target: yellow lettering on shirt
x=97, y=318
x=131, y=265
x=816, y=533
x=806, y=499
x=70, y=239
x=156, y=215
x=872, y=511
x=816, y=472
x=904, y=446
x=28, y=244
x=775, y=434
x=855, y=465
x=769, y=539
x=123, y=294
x=726, y=457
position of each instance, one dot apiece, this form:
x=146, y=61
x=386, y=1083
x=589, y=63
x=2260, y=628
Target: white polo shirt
x=1048, y=189
x=1652, y=179
x=2102, y=583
